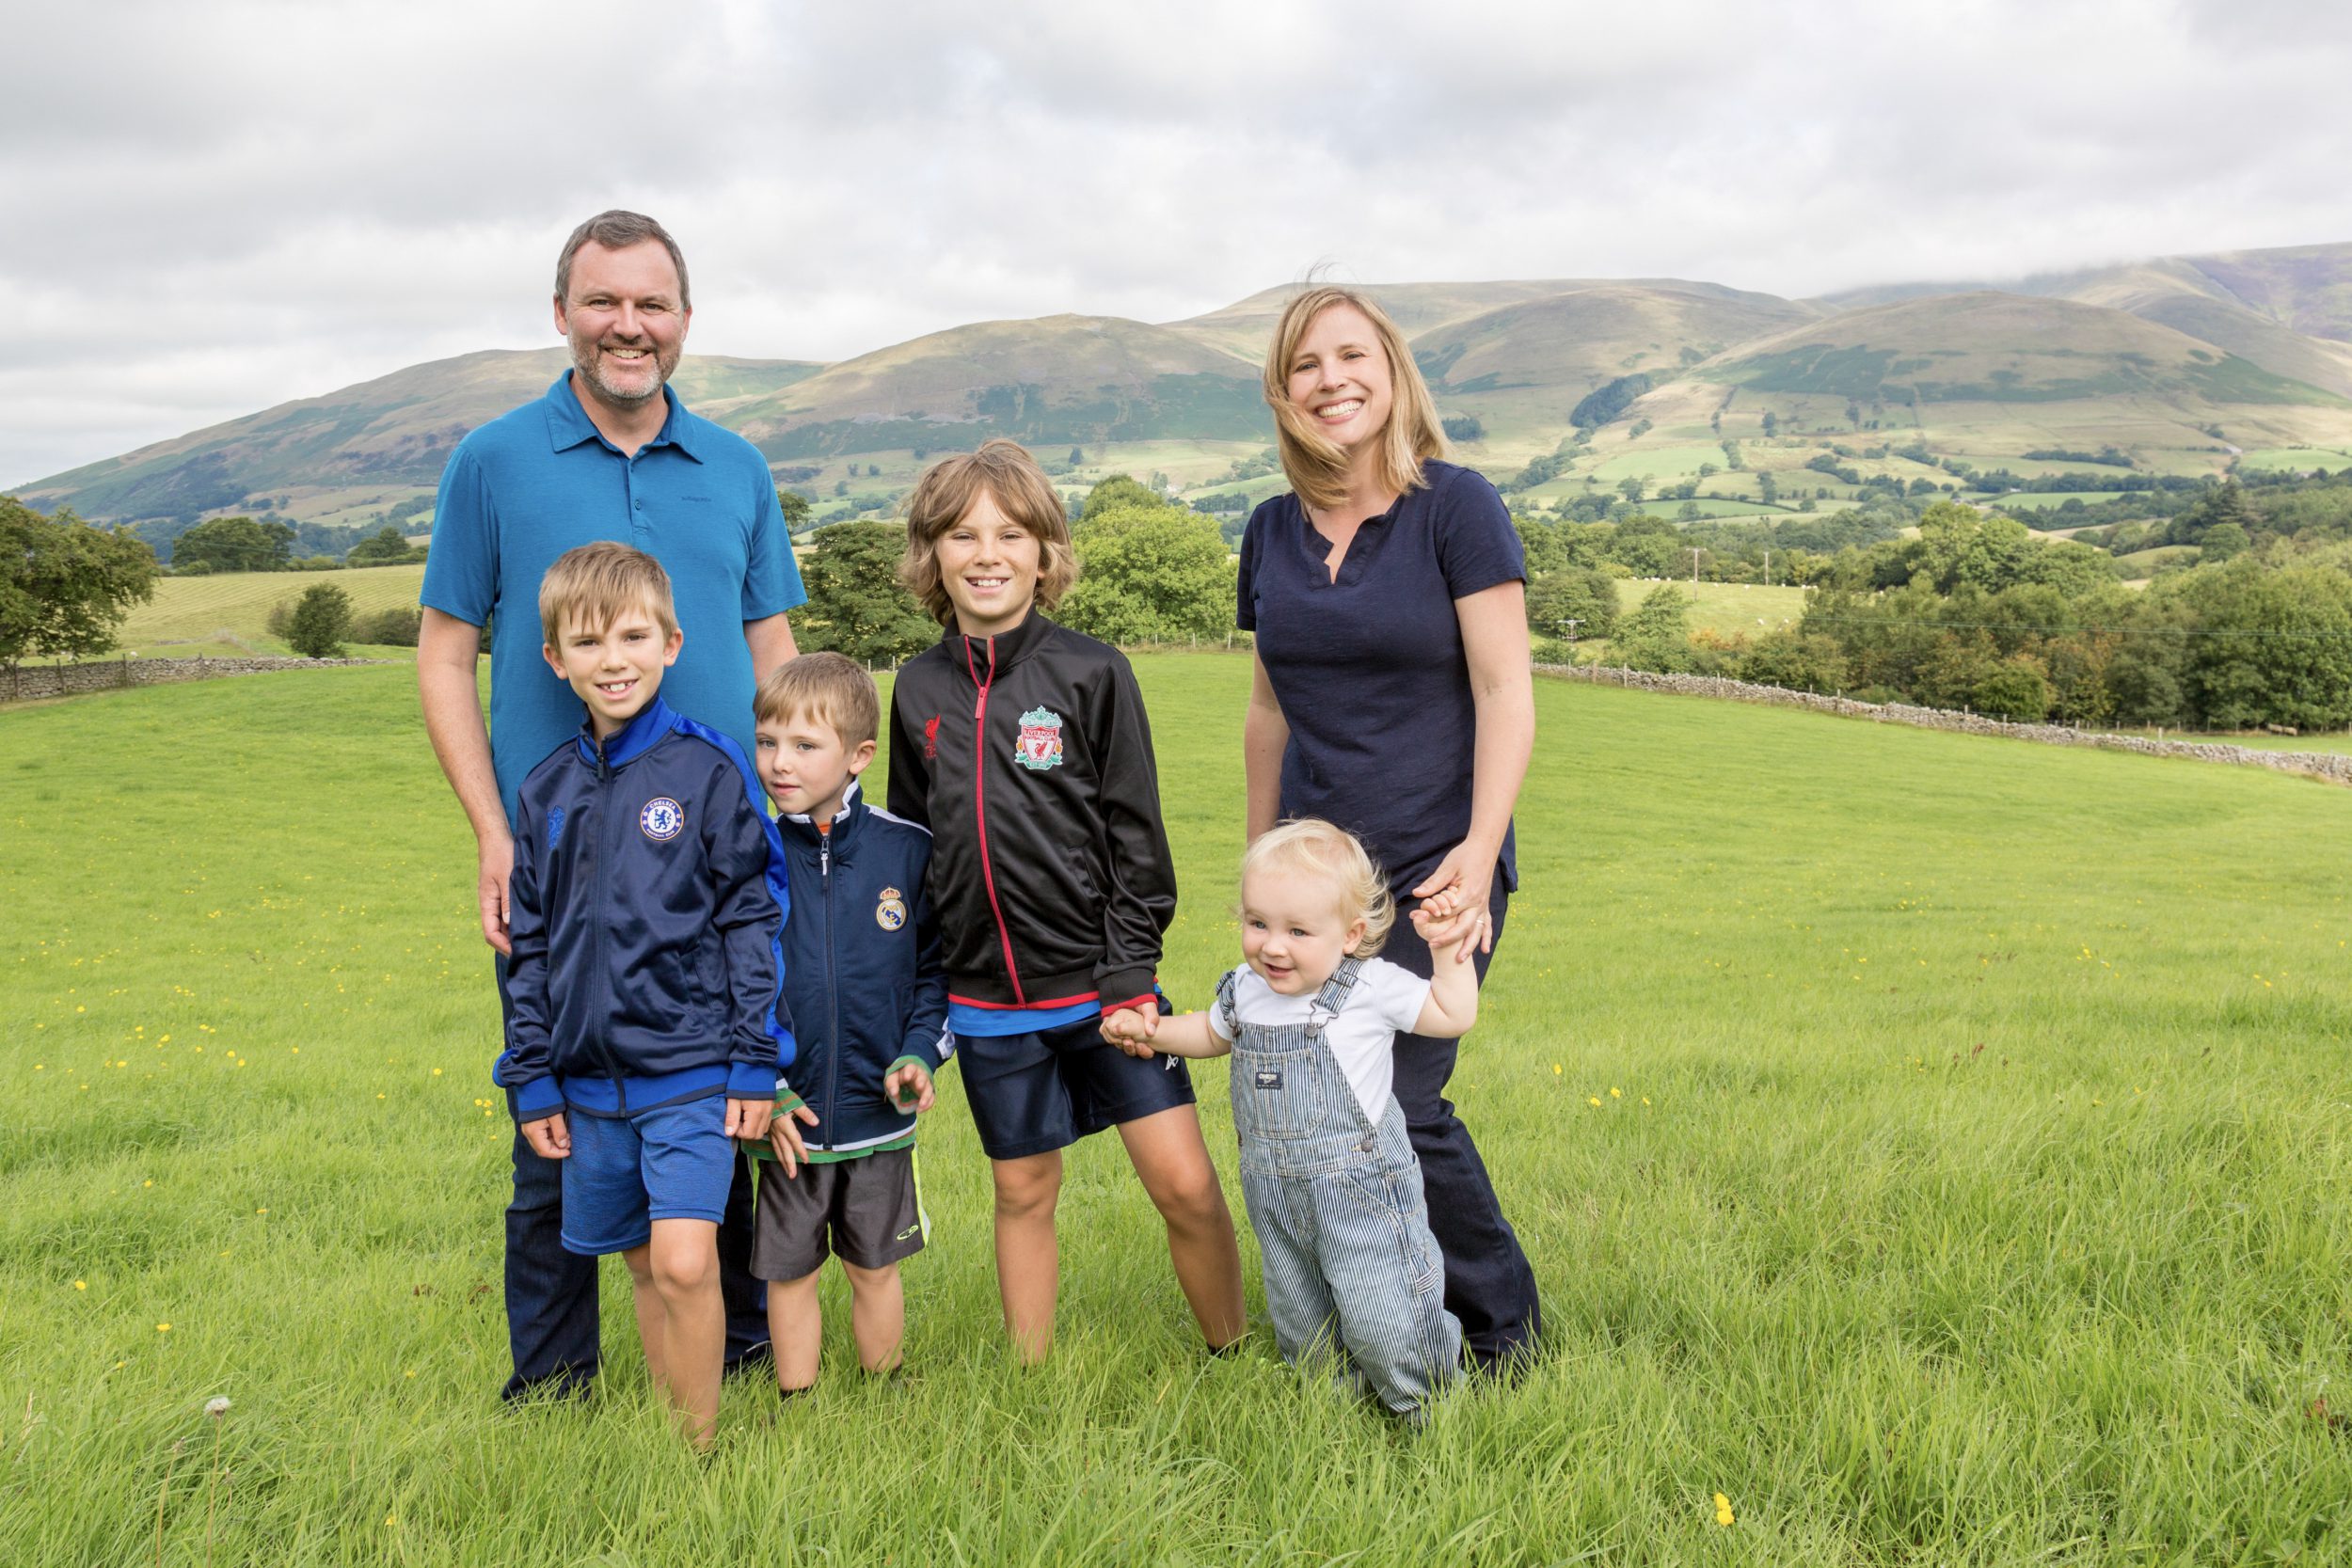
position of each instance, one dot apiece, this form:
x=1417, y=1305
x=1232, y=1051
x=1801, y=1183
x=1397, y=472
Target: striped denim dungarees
x=1342, y=1230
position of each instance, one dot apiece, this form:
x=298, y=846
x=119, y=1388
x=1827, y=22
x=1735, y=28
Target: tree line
x=1975, y=611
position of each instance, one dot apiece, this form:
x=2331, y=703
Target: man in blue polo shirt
x=608, y=453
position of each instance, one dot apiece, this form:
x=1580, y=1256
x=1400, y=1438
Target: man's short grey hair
x=617, y=230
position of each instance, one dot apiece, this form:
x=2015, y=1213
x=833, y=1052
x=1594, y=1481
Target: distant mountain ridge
x=2151, y=358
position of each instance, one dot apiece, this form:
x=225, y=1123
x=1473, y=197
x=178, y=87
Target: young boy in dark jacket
x=646, y=911
x=863, y=981
x=1024, y=747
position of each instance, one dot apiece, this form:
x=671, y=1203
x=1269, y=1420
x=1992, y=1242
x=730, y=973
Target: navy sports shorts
x=671, y=1163
x=1034, y=1093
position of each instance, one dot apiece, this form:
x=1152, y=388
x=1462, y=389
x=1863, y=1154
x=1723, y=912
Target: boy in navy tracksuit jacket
x=645, y=912
x=867, y=986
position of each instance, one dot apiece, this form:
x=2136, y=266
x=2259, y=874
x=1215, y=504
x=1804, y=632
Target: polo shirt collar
x=568, y=424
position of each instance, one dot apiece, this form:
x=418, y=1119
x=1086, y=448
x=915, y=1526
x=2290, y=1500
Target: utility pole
x=1768, y=568
x=1695, y=568
x=1571, y=622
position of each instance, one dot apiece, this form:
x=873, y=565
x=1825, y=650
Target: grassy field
x=1722, y=606
x=227, y=614
x=1940, y=1180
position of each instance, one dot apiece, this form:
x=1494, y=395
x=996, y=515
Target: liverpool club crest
x=1040, y=745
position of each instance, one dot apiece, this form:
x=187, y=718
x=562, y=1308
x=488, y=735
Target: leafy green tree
x=1151, y=573
x=235, y=544
x=856, y=605
x=1585, y=594
x=1077, y=456
x=321, y=621
x=795, y=510
x=1795, y=661
x=386, y=547
x=64, y=585
x=1631, y=488
x=2016, y=689
x=395, y=627
x=2275, y=646
x=1120, y=491
x=1657, y=635
x=2222, y=542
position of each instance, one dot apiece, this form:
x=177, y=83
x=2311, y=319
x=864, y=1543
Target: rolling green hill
x=388, y=437
x=1529, y=363
x=1061, y=379
x=2180, y=364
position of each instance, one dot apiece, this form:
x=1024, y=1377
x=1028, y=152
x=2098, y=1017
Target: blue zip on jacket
x=645, y=912
x=865, y=974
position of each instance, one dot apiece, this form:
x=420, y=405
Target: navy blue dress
x=1374, y=682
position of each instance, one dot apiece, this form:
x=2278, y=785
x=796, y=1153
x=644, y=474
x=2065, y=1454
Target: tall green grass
x=1934, y=1144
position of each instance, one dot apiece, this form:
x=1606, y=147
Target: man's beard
x=588, y=360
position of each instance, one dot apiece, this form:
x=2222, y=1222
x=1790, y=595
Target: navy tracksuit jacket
x=863, y=974
x=646, y=913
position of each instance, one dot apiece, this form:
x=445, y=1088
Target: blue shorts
x=1031, y=1094
x=671, y=1163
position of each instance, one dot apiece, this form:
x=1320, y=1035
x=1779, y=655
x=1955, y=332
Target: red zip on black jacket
x=1030, y=758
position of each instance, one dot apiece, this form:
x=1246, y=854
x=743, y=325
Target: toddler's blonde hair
x=1311, y=844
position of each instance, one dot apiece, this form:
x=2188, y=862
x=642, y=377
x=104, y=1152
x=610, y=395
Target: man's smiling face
x=625, y=321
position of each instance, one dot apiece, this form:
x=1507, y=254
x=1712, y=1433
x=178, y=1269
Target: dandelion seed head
x=216, y=1406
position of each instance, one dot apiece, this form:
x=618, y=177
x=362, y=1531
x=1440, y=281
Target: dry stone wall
x=2326, y=765
x=67, y=680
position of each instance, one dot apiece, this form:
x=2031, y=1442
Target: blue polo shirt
x=537, y=481
x=1370, y=669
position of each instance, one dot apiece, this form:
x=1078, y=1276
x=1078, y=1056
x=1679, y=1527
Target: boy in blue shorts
x=647, y=911
x=866, y=980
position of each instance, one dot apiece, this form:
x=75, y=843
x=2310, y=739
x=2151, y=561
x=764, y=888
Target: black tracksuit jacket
x=1030, y=758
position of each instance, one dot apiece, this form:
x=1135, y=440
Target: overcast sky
x=214, y=207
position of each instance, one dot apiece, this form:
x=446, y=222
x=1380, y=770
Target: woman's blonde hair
x=1022, y=492
x=1311, y=844
x=1315, y=465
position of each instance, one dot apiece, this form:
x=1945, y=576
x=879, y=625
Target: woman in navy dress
x=1393, y=696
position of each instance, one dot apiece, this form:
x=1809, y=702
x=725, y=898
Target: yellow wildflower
x=1723, y=1510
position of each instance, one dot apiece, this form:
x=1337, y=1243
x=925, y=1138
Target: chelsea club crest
x=1039, y=746
x=661, y=819
x=891, y=912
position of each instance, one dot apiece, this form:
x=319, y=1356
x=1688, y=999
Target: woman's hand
x=1455, y=898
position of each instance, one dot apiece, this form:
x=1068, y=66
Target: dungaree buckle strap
x=1333, y=996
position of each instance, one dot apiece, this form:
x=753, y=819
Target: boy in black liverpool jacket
x=1022, y=746
x=646, y=911
x=869, y=1000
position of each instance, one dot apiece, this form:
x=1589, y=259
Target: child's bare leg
x=693, y=1320
x=1172, y=1159
x=877, y=1314
x=1028, y=1262
x=796, y=1329
x=650, y=1312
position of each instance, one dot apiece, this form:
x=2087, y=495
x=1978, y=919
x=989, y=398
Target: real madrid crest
x=891, y=912
x=661, y=819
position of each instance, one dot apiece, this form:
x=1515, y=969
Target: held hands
x=1455, y=899
x=784, y=1138
x=548, y=1138
x=1131, y=1029
x=1439, y=934
x=748, y=1119
x=908, y=1088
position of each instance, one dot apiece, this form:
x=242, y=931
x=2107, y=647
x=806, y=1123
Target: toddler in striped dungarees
x=1333, y=1188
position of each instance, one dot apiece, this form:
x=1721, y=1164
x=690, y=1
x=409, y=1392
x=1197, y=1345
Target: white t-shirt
x=1384, y=999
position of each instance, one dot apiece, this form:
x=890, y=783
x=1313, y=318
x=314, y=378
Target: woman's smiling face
x=1340, y=378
